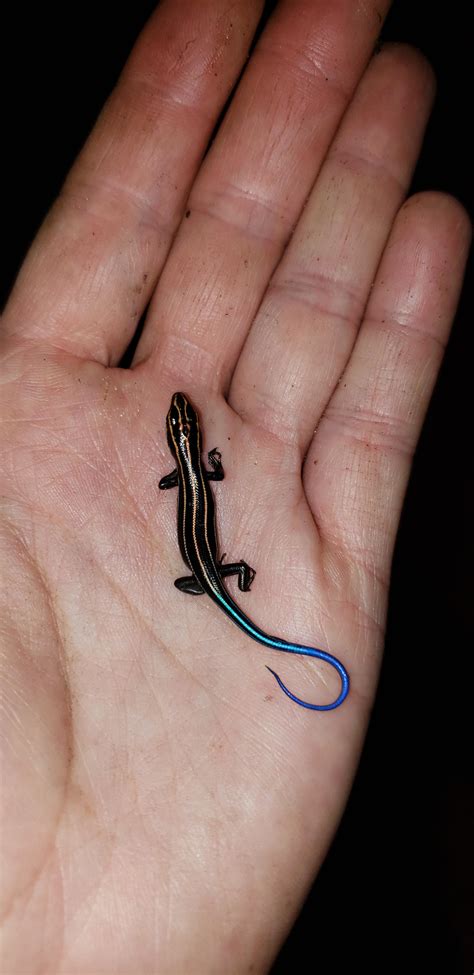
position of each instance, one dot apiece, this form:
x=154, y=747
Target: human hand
x=158, y=784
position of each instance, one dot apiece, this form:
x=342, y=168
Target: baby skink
x=198, y=541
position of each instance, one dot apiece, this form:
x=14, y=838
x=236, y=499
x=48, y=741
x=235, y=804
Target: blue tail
x=320, y=655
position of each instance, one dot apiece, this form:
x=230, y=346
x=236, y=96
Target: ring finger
x=308, y=321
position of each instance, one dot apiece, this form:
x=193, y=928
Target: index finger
x=93, y=266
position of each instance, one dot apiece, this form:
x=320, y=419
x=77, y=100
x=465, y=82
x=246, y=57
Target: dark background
x=396, y=891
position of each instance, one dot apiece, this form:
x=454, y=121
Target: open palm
x=165, y=806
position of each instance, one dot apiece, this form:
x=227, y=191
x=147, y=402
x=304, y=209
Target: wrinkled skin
x=164, y=807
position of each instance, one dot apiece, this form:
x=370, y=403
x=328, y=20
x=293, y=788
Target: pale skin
x=164, y=807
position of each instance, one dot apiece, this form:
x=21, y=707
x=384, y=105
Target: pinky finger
x=359, y=463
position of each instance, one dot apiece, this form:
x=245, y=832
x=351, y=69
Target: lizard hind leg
x=190, y=585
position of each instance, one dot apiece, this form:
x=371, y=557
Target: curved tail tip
x=316, y=707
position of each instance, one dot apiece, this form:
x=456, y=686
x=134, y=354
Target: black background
x=395, y=892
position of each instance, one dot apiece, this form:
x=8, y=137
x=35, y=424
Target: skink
x=198, y=541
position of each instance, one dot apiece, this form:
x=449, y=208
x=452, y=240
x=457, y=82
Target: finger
x=246, y=200
x=308, y=320
x=93, y=266
x=357, y=469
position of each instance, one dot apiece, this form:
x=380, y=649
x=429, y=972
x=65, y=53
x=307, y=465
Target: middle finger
x=246, y=200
